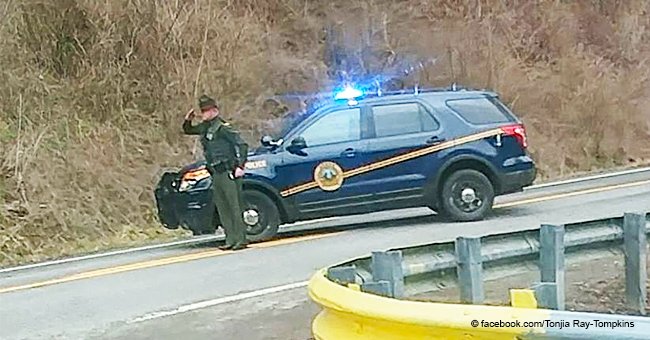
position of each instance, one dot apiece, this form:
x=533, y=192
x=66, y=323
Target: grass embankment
x=94, y=91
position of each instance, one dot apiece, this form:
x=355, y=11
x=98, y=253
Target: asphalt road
x=193, y=292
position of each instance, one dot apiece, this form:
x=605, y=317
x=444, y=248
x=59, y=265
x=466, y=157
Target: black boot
x=226, y=247
x=240, y=246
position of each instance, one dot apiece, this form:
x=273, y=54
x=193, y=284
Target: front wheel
x=261, y=216
x=467, y=195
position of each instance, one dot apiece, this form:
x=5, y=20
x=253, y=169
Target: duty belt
x=219, y=166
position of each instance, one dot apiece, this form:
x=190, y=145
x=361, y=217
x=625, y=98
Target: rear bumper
x=188, y=210
x=516, y=181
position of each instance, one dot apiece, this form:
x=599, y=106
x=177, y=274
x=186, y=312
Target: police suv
x=452, y=150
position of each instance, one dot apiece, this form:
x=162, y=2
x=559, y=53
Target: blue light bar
x=348, y=92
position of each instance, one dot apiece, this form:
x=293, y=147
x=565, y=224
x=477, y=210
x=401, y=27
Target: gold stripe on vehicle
x=399, y=158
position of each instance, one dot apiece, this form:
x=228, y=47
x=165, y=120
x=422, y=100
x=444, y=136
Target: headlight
x=192, y=178
x=196, y=174
x=185, y=185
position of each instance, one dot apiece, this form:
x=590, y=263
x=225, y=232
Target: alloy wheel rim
x=467, y=197
x=253, y=214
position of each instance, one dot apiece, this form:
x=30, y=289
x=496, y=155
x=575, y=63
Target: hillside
x=94, y=92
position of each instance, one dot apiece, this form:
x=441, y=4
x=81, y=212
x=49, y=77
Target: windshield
x=280, y=126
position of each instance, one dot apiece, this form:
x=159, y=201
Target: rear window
x=485, y=110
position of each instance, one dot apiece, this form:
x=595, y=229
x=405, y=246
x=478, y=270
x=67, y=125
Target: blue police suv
x=452, y=150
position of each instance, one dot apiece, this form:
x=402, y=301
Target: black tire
x=452, y=205
x=268, y=213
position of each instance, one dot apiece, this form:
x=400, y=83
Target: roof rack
x=417, y=90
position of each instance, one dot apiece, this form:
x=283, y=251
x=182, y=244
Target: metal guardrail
x=384, y=281
x=424, y=268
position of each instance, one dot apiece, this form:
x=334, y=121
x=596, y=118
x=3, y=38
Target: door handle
x=435, y=140
x=349, y=152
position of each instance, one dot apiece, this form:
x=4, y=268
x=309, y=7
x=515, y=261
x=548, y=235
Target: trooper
x=225, y=153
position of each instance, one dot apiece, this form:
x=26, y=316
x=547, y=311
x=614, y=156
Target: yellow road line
x=282, y=241
x=571, y=194
x=157, y=262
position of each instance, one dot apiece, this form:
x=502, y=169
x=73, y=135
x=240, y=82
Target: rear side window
x=402, y=119
x=480, y=111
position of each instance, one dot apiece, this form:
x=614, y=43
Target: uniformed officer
x=225, y=152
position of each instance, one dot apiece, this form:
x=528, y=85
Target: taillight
x=518, y=131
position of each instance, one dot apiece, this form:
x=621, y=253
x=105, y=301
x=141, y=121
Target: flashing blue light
x=348, y=93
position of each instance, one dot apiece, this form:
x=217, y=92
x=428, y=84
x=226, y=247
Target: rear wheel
x=467, y=195
x=261, y=216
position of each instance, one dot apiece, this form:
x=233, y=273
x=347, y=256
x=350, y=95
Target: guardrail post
x=342, y=275
x=635, y=243
x=383, y=288
x=546, y=295
x=469, y=269
x=551, y=258
x=387, y=266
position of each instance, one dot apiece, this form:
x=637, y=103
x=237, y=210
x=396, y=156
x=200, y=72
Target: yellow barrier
x=351, y=314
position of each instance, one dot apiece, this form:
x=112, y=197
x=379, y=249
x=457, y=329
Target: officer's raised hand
x=239, y=172
x=189, y=115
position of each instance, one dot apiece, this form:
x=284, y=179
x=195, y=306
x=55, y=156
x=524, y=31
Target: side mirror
x=297, y=144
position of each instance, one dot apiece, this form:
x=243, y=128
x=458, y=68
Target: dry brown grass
x=94, y=91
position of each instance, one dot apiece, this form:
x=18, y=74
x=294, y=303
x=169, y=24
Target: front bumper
x=191, y=210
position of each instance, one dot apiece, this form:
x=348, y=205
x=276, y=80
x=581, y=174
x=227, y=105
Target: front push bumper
x=191, y=210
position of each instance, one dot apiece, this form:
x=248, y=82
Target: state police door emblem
x=328, y=176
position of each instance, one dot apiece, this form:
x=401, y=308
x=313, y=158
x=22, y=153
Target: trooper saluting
x=225, y=153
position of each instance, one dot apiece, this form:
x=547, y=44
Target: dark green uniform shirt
x=222, y=144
